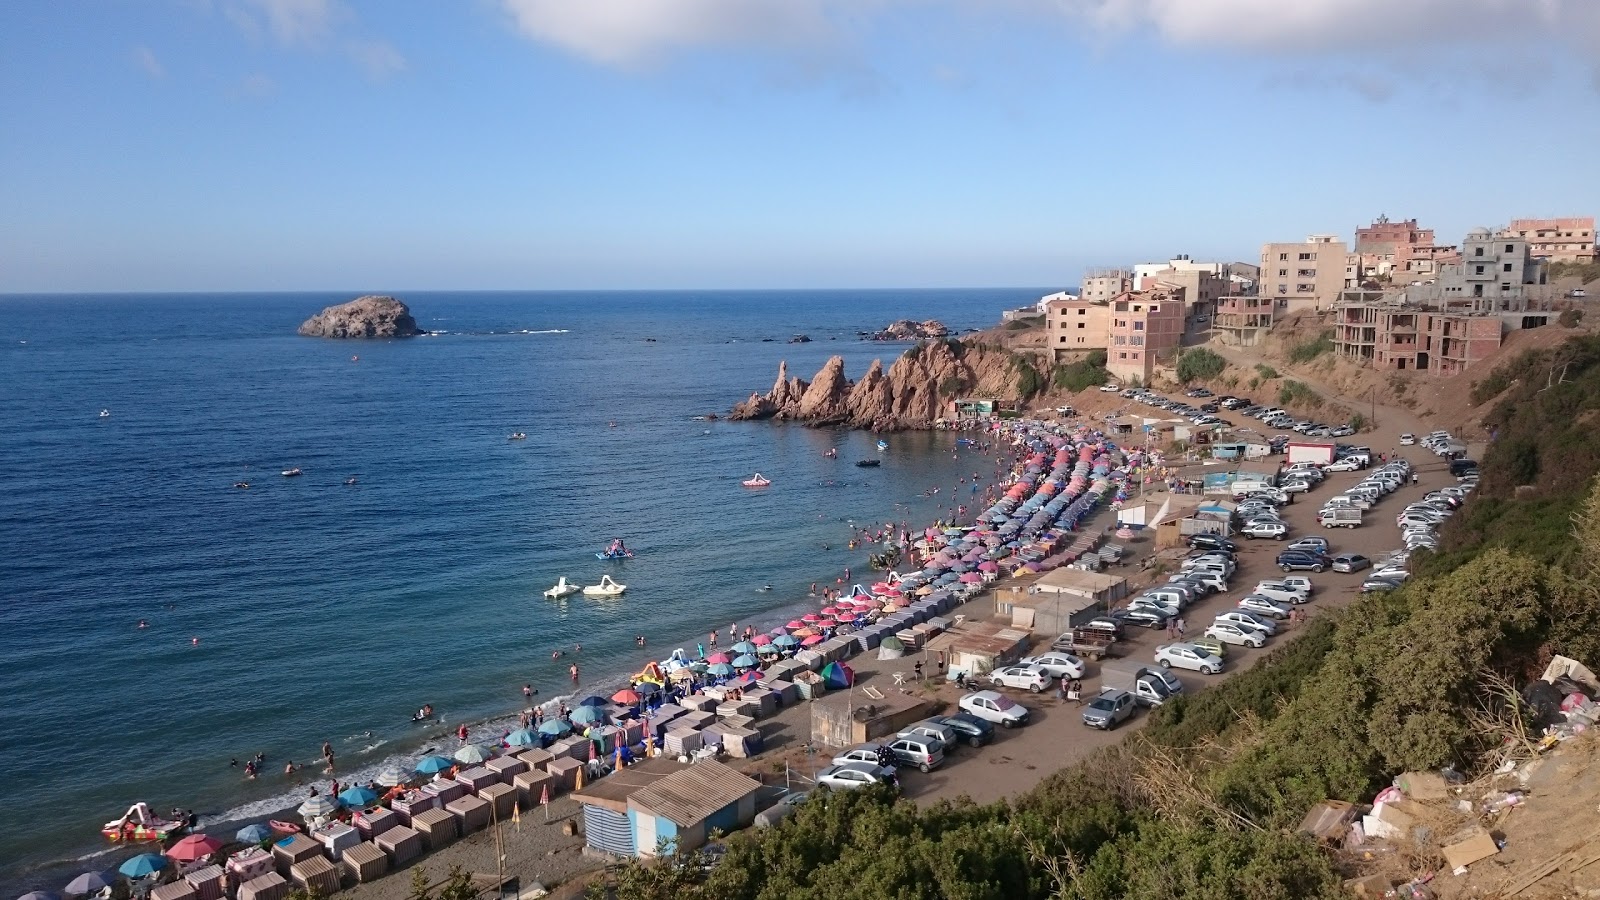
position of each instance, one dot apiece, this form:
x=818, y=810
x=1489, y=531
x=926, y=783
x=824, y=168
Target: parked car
x=1109, y=389
x=917, y=749
x=992, y=706
x=1020, y=677
x=1245, y=620
x=1293, y=560
x=1187, y=656
x=1274, y=530
x=1149, y=618
x=1056, y=665
x=1255, y=604
x=1314, y=544
x=1378, y=585
x=1300, y=583
x=1350, y=562
x=1212, y=542
x=1348, y=464
x=1408, y=439
x=872, y=752
x=975, y=731
x=1280, y=592
x=856, y=775
x=1342, y=431
x=1108, y=709
x=1229, y=633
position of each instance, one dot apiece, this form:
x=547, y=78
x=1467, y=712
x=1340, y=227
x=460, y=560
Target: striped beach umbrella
x=317, y=807
x=390, y=776
x=473, y=755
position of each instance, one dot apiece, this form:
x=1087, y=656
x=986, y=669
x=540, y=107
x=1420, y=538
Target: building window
x=1477, y=251
x=1137, y=342
x=1082, y=312
x=1283, y=273
x=1282, y=257
x=1083, y=324
x=1138, y=326
x=1505, y=286
x=1506, y=267
x=1511, y=248
x=1479, y=270
x=1305, y=288
x=1122, y=356
x=1063, y=339
x=1307, y=273
x=1306, y=256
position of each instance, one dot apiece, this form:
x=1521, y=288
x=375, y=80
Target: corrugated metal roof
x=692, y=795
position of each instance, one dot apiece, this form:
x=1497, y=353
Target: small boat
x=756, y=480
x=563, y=588
x=869, y=463
x=292, y=473
x=606, y=588
x=350, y=480
x=242, y=485
x=831, y=453
x=105, y=413
x=283, y=827
x=882, y=446
x=140, y=824
x=518, y=436
x=617, y=550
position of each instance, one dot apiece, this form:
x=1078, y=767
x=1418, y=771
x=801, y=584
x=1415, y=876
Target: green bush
x=1570, y=318
x=1306, y=352
x=1266, y=372
x=1029, y=381
x=1199, y=364
x=1082, y=374
x=1295, y=393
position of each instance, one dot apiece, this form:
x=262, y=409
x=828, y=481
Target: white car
x=1300, y=583
x=1295, y=486
x=1057, y=665
x=1109, y=389
x=855, y=775
x=1245, y=620
x=1391, y=571
x=1343, y=465
x=1229, y=633
x=1020, y=677
x=1407, y=440
x=994, y=707
x=1187, y=656
x=1280, y=592
x=1261, y=529
x=1257, y=605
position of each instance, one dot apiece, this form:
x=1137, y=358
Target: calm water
x=330, y=612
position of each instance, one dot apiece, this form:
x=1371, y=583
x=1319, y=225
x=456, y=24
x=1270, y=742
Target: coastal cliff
x=913, y=393
x=363, y=317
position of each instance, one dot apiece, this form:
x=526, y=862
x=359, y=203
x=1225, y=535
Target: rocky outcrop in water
x=914, y=393
x=907, y=330
x=363, y=317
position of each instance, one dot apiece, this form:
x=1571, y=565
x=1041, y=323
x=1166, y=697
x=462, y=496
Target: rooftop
x=614, y=790
x=690, y=796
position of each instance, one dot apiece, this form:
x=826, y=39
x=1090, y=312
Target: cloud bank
x=629, y=32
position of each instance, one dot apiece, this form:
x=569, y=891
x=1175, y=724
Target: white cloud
x=297, y=21
x=627, y=32
x=379, y=59
x=145, y=59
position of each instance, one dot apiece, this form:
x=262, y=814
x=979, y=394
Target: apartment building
x=1390, y=335
x=1244, y=320
x=1303, y=276
x=1557, y=240
x=1495, y=273
x=1075, y=325
x=1146, y=328
x=1101, y=285
x=1201, y=289
x=1386, y=247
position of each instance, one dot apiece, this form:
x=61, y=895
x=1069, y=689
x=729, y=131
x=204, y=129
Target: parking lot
x=1056, y=735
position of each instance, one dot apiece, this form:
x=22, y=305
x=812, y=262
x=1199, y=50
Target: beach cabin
x=1064, y=598
x=847, y=718
x=663, y=805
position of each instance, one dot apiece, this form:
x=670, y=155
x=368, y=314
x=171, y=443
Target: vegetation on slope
x=1200, y=364
x=1082, y=374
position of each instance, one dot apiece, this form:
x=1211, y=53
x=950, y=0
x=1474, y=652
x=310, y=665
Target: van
x=1170, y=595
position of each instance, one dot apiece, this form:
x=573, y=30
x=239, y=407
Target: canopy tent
x=837, y=675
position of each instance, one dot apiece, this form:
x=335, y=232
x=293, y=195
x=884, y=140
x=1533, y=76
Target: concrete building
x=1303, y=276
x=1556, y=240
x=1101, y=285
x=1390, y=335
x=1494, y=274
x=1387, y=247
x=1243, y=321
x=1146, y=327
x=1201, y=290
x=1076, y=326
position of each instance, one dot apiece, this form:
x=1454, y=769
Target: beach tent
x=838, y=675
x=891, y=648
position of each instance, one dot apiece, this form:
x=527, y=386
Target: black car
x=1460, y=467
x=1290, y=560
x=975, y=731
x=1147, y=618
x=1212, y=542
x=1105, y=624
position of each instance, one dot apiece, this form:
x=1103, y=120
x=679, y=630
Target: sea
x=311, y=609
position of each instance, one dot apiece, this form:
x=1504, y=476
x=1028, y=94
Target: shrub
x=1199, y=364
x=1358, y=422
x=1021, y=324
x=1306, y=352
x=1029, y=381
x=1082, y=374
x=1570, y=318
x=953, y=385
x=1295, y=393
x=1266, y=372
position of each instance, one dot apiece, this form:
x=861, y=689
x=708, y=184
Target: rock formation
x=914, y=393
x=363, y=317
x=907, y=330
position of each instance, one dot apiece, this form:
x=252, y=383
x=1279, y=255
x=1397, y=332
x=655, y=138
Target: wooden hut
x=292, y=849
x=506, y=767
x=564, y=774
x=408, y=805
x=209, y=882
x=270, y=886
x=336, y=837
x=531, y=785
x=536, y=758
x=401, y=844
x=376, y=821
x=502, y=800
x=437, y=827
x=174, y=890
x=317, y=876
x=471, y=812
x=476, y=779
x=364, y=862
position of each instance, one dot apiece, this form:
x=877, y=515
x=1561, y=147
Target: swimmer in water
x=555, y=654
x=143, y=624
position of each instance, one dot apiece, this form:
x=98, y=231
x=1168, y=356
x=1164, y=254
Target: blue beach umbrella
x=745, y=661
x=433, y=765
x=250, y=834
x=90, y=882
x=554, y=727
x=587, y=715
x=720, y=669
x=143, y=865
x=743, y=647
x=785, y=640
x=593, y=701
x=358, y=797
x=522, y=737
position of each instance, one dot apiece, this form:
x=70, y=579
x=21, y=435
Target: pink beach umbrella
x=971, y=578
x=900, y=603
x=829, y=610
x=715, y=658
x=846, y=617
x=810, y=617
x=193, y=847
x=881, y=586
x=892, y=592
x=828, y=622
x=794, y=624
x=988, y=565
x=761, y=640
x=811, y=641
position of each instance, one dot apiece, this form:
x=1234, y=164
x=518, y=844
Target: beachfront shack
x=662, y=804
x=851, y=717
x=1060, y=599
x=1195, y=515
x=978, y=648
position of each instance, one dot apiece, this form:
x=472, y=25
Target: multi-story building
x=1494, y=274
x=1100, y=285
x=1557, y=240
x=1146, y=328
x=1306, y=275
x=1075, y=325
x=1386, y=246
x=1201, y=289
x=1243, y=320
x=1392, y=335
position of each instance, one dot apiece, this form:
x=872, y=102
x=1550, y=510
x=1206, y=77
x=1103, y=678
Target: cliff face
x=914, y=393
x=363, y=317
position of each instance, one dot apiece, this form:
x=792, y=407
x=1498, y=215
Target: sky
x=387, y=145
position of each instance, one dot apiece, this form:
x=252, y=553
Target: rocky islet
x=371, y=316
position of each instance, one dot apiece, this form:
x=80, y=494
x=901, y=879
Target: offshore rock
x=363, y=317
x=907, y=330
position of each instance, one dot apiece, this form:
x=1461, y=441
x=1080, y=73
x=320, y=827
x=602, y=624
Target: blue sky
x=547, y=144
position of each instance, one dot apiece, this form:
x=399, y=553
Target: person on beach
x=289, y=767
x=555, y=654
x=1075, y=691
x=577, y=648
x=461, y=732
x=713, y=638
x=527, y=692
x=327, y=754
x=574, y=670
x=701, y=650
x=250, y=770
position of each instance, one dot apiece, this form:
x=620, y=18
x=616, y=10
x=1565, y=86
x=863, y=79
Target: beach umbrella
x=250, y=834
x=795, y=623
x=318, y=806
x=812, y=640
x=971, y=578
x=846, y=617
x=92, y=882
x=648, y=688
x=587, y=715
x=743, y=647
x=143, y=865
x=810, y=617
x=473, y=755
x=806, y=632
x=39, y=895
x=593, y=700
x=828, y=622
x=785, y=640
x=720, y=670
x=745, y=660
x=745, y=679
x=358, y=797
x=433, y=765
x=627, y=697
x=193, y=847
x=830, y=610
x=761, y=640
x=522, y=737
x=717, y=658
x=390, y=776
x=554, y=727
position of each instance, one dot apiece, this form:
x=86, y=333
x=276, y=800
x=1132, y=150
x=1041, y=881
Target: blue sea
x=307, y=609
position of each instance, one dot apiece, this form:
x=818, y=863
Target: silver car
x=856, y=775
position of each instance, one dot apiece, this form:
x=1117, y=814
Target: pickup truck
x=1085, y=643
x=1147, y=685
x=1340, y=517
